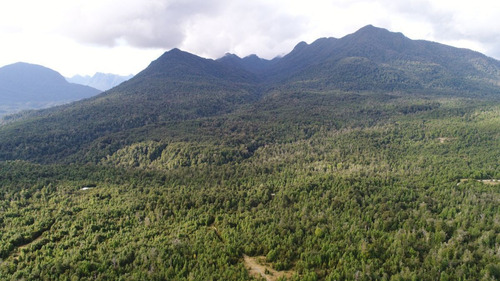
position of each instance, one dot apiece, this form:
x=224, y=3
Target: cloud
x=269, y=28
x=469, y=24
x=245, y=27
x=144, y=23
x=208, y=27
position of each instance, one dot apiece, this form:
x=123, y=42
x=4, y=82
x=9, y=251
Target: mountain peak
x=23, y=70
x=101, y=81
x=254, y=58
x=26, y=86
x=181, y=65
x=371, y=27
x=175, y=54
x=229, y=55
x=300, y=46
x=370, y=32
x=25, y=65
x=174, y=51
x=173, y=62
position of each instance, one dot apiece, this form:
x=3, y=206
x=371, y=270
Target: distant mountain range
x=180, y=86
x=101, y=81
x=29, y=86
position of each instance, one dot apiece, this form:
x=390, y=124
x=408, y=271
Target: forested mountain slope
x=369, y=157
x=180, y=86
x=373, y=58
x=177, y=86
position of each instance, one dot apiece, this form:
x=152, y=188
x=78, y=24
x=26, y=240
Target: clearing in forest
x=257, y=268
x=490, y=181
x=443, y=140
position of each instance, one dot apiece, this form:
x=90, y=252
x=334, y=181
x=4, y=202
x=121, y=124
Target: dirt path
x=443, y=140
x=17, y=252
x=491, y=182
x=257, y=268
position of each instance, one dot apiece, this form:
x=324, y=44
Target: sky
x=124, y=36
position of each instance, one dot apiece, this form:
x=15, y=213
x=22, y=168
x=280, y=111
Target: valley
x=369, y=157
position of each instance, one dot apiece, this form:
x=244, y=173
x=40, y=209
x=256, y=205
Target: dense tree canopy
x=379, y=193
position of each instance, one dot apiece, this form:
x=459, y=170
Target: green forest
x=377, y=187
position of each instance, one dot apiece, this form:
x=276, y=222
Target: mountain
x=367, y=157
x=374, y=58
x=177, y=86
x=392, y=60
x=250, y=63
x=180, y=86
x=101, y=81
x=28, y=86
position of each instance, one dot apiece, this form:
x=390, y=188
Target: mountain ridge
x=30, y=86
x=177, y=62
x=179, y=87
x=390, y=52
x=100, y=81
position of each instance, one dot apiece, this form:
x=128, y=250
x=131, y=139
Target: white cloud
x=244, y=28
x=145, y=23
x=207, y=27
